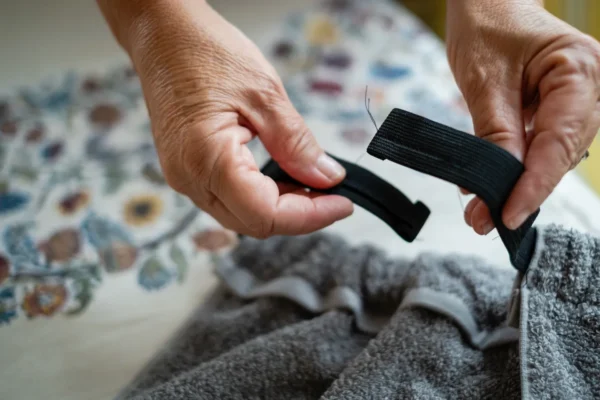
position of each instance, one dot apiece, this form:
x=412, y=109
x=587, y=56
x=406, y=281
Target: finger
x=468, y=214
x=319, y=212
x=481, y=220
x=464, y=191
x=285, y=188
x=564, y=127
x=289, y=141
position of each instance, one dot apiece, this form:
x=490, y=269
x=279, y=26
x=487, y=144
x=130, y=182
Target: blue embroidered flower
x=12, y=201
x=153, y=275
x=53, y=96
x=96, y=149
x=338, y=60
x=52, y=151
x=8, y=305
x=389, y=72
x=102, y=233
x=350, y=114
x=20, y=246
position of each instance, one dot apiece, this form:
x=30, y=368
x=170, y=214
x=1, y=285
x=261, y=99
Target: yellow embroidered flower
x=44, y=300
x=321, y=31
x=143, y=210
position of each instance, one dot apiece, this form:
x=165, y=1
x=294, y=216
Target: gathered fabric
x=311, y=317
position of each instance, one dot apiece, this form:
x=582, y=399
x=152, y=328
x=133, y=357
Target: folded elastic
x=470, y=162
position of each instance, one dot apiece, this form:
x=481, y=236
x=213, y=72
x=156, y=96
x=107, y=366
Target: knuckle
x=570, y=141
x=266, y=91
x=581, y=57
x=297, y=139
x=261, y=229
x=261, y=223
x=543, y=184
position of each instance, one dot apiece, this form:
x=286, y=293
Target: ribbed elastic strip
x=372, y=193
x=244, y=285
x=465, y=160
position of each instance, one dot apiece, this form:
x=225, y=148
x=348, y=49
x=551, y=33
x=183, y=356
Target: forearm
x=485, y=8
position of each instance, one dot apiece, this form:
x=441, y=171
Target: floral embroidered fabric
x=81, y=191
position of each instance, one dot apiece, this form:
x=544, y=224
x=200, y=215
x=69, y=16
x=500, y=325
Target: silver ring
x=586, y=155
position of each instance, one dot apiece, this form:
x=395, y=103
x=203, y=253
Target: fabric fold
x=245, y=285
x=294, y=318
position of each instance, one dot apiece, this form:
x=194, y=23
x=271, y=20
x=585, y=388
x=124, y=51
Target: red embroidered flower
x=90, y=85
x=4, y=268
x=118, y=256
x=9, y=128
x=74, y=202
x=35, y=135
x=61, y=246
x=214, y=239
x=105, y=115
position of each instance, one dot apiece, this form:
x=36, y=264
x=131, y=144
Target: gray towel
x=311, y=317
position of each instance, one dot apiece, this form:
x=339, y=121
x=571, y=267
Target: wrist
x=132, y=20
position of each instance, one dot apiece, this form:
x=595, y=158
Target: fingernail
x=329, y=167
x=487, y=228
x=517, y=221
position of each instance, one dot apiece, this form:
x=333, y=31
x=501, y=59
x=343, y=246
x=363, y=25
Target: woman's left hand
x=532, y=85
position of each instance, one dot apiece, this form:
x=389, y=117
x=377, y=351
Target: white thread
x=360, y=157
x=460, y=200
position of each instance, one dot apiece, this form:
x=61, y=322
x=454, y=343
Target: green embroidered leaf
x=115, y=178
x=83, y=296
x=153, y=175
x=4, y=186
x=180, y=261
x=24, y=172
x=181, y=201
x=95, y=272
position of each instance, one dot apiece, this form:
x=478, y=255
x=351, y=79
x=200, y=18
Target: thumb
x=292, y=145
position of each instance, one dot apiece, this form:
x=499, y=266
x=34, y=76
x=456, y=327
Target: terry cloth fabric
x=249, y=343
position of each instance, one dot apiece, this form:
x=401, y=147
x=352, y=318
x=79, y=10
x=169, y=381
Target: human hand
x=209, y=91
x=532, y=85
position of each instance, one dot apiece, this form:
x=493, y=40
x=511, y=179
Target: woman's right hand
x=209, y=91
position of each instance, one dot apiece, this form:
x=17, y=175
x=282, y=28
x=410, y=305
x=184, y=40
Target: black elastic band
x=372, y=193
x=462, y=159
